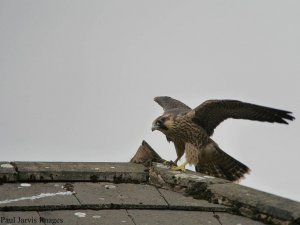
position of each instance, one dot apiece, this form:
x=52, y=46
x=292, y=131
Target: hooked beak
x=154, y=127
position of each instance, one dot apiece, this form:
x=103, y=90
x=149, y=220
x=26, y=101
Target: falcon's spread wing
x=211, y=113
x=170, y=104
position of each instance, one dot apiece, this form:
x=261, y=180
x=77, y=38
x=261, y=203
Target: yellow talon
x=166, y=162
x=179, y=168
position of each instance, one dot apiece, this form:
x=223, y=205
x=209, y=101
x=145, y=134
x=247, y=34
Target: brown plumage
x=190, y=130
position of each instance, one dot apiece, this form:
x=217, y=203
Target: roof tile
x=81, y=171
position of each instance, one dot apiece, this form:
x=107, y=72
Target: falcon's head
x=163, y=123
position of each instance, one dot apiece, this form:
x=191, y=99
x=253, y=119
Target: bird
x=191, y=129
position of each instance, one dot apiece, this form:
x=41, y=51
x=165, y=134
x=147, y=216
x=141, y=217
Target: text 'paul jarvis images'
x=33, y=220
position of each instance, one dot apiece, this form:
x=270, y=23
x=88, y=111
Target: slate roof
x=129, y=193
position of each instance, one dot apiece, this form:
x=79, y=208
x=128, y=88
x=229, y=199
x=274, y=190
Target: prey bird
x=190, y=130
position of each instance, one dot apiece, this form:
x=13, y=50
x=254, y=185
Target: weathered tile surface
x=25, y=196
x=128, y=195
x=226, y=218
x=82, y=171
x=186, y=179
x=255, y=203
x=146, y=204
x=247, y=201
x=88, y=217
x=180, y=201
x=171, y=217
x=7, y=172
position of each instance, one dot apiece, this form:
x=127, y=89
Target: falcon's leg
x=180, y=168
x=169, y=163
x=176, y=160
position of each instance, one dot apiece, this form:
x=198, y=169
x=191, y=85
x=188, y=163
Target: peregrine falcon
x=190, y=131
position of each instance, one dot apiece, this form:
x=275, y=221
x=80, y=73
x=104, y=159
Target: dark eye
x=158, y=123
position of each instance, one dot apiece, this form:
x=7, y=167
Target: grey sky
x=78, y=78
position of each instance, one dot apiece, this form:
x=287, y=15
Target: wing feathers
x=168, y=103
x=211, y=113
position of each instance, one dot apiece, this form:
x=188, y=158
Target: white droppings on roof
x=102, y=199
x=96, y=168
x=112, y=167
x=220, y=201
x=80, y=214
x=162, y=166
x=47, y=167
x=56, y=185
x=110, y=186
x=206, y=176
x=34, y=197
x=96, y=217
x=123, y=221
x=175, y=172
x=189, y=176
x=25, y=185
x=6, y=165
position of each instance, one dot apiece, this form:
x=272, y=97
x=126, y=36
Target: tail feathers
x=223, y=166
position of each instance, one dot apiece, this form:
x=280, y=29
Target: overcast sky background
x=78, y=78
